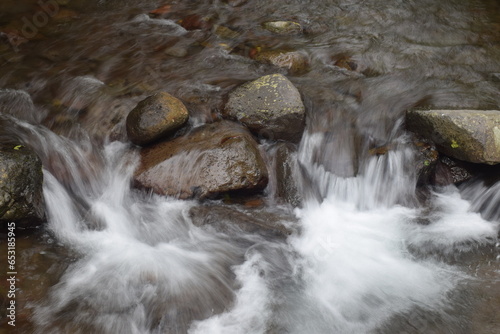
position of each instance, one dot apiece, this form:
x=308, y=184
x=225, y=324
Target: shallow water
x=370, y=257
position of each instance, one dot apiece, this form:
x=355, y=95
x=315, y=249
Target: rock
x=425, y=160
x=225, y=32
x=449, y=171
x=18, y=104
x=213, y=159
x=285, y=167
x=155, y=117
x=270, y=106
x=21, y=178
x=195, y=22
x=468, y=135
x=294, y=62
x=81, y=92
x=347, y=63
x=283, y=27
x=229, y=219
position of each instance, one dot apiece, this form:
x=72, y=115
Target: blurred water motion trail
x=371, y=256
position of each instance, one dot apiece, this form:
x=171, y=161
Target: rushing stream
x=373, y=252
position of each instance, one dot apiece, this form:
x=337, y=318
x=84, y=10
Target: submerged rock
x=18, y=104
x=468, y=135
x=283, y=27
x=213, y=159
x=270, y=106
x=229, y=219
x=286, y=181
x=425, y=160
x=21, y=178
x=295, y=62
x=155, y=117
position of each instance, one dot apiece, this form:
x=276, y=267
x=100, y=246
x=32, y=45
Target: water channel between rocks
x=367, y=250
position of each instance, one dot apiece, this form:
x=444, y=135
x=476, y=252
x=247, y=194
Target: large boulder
x=213, y=159
x=270, y=106
x=21, y=178
x=155, y=117
x=468, y=135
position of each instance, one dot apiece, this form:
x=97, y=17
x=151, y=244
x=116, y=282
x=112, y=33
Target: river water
x=373, y=254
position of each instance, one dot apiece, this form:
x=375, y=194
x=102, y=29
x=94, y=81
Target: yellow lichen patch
x=454, y=144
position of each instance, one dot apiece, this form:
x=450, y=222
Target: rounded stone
x=270, y=106
x=155, y=117
x=283, y=27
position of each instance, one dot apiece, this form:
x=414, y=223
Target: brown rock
x=213, y=159
x=155, y=117
x=294, y=62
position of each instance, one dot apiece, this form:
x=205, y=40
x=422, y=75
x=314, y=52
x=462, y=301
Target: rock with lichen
x=270, y=106
x=468, y=135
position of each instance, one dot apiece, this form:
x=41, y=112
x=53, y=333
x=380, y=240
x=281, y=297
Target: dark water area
x=112, y=259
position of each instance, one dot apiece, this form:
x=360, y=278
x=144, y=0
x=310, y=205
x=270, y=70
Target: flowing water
x=373, y=254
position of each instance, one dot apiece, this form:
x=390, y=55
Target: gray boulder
x=468, y=135
x=155, y=117
x=21, y=179
x=213, y=159
x=270, y=106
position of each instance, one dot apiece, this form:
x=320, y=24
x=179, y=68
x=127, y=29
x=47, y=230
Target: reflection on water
x=370, y=258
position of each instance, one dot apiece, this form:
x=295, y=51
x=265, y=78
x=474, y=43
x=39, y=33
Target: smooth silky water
x=374, y=254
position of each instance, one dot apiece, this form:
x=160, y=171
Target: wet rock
x=285, y=166
x=283, y=27
x=426, y=160
x=165, y=9
x=213, y=159
x=225, y=32
x=294, y=62
x=468, y=135
x=18, y=103
x=155, y=117
x=196, y=22
x=450, y=171
x=21, y=178
x=229, y=219
x=270, y=106
x=80, y=92
x=347, y=63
